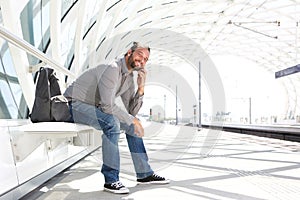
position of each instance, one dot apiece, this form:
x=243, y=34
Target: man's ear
x=129, y=52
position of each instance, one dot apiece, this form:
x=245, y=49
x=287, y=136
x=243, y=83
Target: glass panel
x=35, y=22
x=7, y=61
x=68, y=39
x=91, y=14
x=40, y=21
x=12, y=103
x=4, y=92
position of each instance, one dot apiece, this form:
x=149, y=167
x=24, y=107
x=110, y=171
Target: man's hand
x=141, y=79
x=138, y=128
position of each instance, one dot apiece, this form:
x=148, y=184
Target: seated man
x=92, y=102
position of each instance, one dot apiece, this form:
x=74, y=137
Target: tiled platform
x=205, y=164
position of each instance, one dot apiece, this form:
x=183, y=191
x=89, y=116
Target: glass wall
x=12, y=103
x=35, y=21
x=35, y=24
x=35, y=27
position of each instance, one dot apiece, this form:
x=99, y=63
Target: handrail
x=15, y=40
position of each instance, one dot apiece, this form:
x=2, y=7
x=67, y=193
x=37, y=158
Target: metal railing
x=22, y=44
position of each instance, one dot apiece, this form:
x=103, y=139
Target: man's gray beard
x=134, y=68
x=137, y=69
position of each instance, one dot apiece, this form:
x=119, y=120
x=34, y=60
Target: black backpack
x=49, y=104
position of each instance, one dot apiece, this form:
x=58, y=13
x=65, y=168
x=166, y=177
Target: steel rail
x=22, y=44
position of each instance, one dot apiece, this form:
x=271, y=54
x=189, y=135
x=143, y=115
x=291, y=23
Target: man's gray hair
x=137, y=45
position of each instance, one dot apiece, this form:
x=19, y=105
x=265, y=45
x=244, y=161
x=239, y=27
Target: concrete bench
x=38, y=151
x=56, y=129
x=53, y=134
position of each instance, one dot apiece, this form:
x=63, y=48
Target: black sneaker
x=116, y=187
x=153, y=179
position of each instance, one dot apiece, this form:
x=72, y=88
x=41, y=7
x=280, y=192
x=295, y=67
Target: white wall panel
x=35, y=163
x=8, y=176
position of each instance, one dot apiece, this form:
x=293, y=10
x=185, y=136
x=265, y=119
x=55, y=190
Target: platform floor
x=205, y=164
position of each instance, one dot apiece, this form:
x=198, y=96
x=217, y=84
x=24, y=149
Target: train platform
x=201, y=164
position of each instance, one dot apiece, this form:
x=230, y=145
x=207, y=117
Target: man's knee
x=129, y=129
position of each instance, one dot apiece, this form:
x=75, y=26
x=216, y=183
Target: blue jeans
x=88, y=114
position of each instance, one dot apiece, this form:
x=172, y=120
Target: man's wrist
x=141, y=91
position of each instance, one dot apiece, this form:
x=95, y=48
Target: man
x=92, y=101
